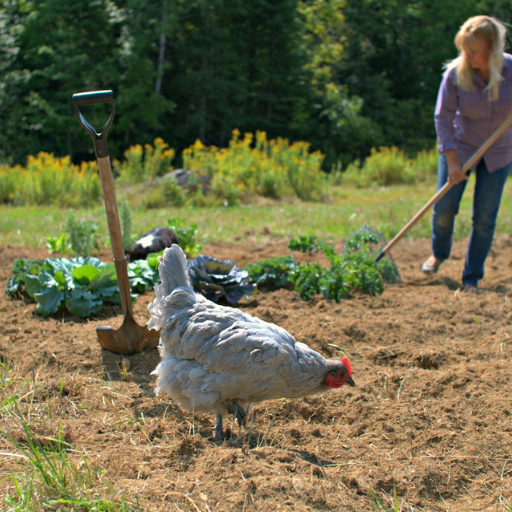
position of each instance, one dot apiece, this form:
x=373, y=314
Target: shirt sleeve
x=446, y=108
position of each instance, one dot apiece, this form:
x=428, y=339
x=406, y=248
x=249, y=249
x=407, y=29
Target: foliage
x=349, y=272
x=186, y=236
x=345, y=76
x=386, y=166
x=271, y=168
x=81, y=286
x=218, y=280
x=272, y=273
x=142, y=164
x=78, y=285
x=60, y=244
x=163, y=193
x=8, y=183
x=143, y=274
x=424, y=165
x=390, y=166
x=50, y=180
x=81, y=235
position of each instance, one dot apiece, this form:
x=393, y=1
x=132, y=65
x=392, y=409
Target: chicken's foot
x=240, y=416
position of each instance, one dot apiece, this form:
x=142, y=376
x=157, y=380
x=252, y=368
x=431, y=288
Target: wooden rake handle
x=447, y=186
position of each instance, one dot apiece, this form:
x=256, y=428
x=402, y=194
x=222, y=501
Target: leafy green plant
x=217, y=279
x=143, y=274
x=79, y=285
x=60, y=244
x=348, y=272
x=186, y=236
x=273, y=273
x=82, y=236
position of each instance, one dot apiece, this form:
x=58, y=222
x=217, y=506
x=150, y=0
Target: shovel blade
x=130, y=338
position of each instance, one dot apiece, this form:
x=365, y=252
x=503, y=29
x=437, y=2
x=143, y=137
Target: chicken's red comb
x=346, y=362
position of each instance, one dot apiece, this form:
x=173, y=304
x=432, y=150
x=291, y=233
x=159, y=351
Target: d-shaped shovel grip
x=94, y=98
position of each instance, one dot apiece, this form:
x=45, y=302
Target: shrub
x=145, y=163
x=390, y=166
x=425, y=165
x=247, y=167
x=50, y=180
x=387, y=166
x=8, y=183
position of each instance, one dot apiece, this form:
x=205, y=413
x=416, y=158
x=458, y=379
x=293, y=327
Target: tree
x=61, y=48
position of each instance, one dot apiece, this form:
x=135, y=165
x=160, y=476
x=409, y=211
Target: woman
x=474, y=98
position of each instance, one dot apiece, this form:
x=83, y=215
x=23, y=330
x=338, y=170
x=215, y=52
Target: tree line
x=343, y=75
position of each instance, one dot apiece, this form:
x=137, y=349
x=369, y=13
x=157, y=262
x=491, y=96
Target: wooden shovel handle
x=444, y=189
x=116, y=237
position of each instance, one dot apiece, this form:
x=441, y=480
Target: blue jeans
x=486, y=202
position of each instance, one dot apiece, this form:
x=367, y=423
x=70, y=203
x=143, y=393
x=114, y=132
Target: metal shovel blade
x=129, y=339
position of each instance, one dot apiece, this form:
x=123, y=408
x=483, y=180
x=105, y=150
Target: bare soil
x=428, y=422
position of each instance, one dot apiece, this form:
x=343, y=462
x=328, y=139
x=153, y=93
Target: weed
x=82, y=236
x=186, y=236
x=379, y=506
x=126, y=224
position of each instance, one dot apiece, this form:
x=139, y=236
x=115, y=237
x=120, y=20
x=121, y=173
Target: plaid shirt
x=466, y=119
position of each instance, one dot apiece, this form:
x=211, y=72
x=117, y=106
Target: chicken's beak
x=350, y=381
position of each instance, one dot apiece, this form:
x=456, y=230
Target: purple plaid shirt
x=466, y=119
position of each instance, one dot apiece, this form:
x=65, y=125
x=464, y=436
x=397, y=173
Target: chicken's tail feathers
x=173, y=270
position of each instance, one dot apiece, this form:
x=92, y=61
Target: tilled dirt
x=428, y=424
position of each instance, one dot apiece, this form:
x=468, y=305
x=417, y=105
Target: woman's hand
x=455, y=172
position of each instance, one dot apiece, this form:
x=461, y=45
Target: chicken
x=222, y=360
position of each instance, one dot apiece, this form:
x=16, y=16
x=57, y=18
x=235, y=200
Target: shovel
x=447, y=186
x=130, y=338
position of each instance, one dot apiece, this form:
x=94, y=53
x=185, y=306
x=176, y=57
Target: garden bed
x=429, y=421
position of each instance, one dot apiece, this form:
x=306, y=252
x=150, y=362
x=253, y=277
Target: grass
x=386, y=209
x=44, y=471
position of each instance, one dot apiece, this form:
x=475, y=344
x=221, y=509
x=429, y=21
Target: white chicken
x=220, y=359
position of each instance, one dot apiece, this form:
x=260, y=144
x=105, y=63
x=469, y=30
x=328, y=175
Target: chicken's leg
x=238, y=411
x=240, y=416
x=219, y=434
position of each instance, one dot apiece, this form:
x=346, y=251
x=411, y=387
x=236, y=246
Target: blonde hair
x=494, y=34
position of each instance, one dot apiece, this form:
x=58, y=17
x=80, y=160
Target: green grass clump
x=45, y=472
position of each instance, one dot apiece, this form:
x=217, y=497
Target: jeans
x=486, y=203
